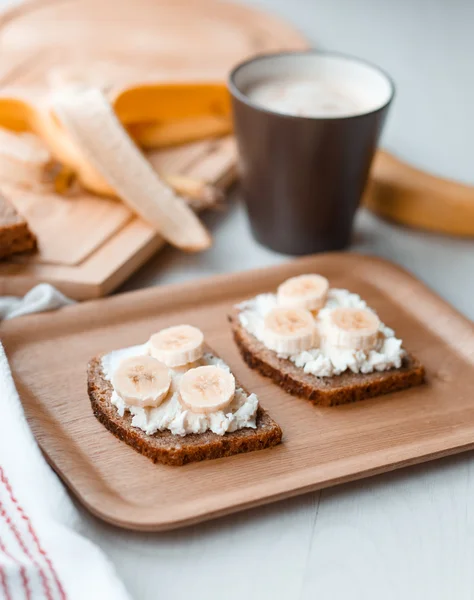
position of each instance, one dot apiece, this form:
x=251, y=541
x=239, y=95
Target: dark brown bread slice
x=15, y=235
x=171, y=449
x=324, y=391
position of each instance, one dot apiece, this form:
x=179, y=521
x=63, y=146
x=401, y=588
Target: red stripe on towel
x=3, y=580
x=23, y=575
x=32, y=531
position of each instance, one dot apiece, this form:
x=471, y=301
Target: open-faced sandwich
x=321, y=343
x=175, y=401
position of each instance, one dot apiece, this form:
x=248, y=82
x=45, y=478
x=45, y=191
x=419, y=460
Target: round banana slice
x=206, y=389
x=304, y=291
x=177, y=346
x=142, y=381
x=289, y=330
x=352, y=328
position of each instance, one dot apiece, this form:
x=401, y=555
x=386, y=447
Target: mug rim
x=235, y=91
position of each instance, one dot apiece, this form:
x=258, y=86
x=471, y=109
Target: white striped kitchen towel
x=42, y=557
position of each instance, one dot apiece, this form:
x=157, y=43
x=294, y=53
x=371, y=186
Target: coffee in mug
x=307, y=127
x=305, y=97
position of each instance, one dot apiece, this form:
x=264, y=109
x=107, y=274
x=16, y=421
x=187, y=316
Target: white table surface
x=408, y=534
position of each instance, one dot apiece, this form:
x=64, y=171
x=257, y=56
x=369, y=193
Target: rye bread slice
x=167, y=448
x=324, y=391
x=15, y=236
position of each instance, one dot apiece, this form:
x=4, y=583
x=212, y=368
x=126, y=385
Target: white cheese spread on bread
x=170, y=414
x=325, y=358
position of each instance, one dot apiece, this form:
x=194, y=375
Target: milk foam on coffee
x=305, y=97
x=314, y=85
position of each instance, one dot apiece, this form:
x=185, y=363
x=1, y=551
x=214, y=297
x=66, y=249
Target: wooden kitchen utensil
x=321, y=447
x=412, y=197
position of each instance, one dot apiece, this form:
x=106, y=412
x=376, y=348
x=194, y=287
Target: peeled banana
x=155, y=115
x=92, y=134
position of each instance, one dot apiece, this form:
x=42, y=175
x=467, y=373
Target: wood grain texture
x=84, y=261
x=117, y=257
x=321, y=447
x=405, y=535
x=158, y=39
x=177, y=41
x=68, y=227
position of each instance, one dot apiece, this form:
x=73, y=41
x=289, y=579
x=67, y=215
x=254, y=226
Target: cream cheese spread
x=170, y=415
x=327, y=361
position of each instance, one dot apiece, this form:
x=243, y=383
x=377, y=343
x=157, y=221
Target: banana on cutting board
x=84, y=134
x=159, y=115
x=167, y=114
x=190, y=129
x=94, y=143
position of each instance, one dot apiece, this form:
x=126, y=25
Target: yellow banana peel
x=156, y=116
x=168, y=102
x=164, y=134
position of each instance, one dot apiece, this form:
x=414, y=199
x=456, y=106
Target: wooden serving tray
x=48, y=354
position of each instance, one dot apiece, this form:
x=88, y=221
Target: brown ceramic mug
x=306, y=146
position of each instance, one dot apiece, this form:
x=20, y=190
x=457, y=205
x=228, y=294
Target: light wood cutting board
x=90, y=245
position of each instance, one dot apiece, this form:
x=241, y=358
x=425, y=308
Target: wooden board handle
x=413, y=197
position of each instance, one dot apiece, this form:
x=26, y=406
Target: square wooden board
x=87, y=245
x=322, y=446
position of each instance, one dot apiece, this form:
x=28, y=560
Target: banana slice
x=142, y=381
x=304, y=291
x=98, y=136
x=177, y=346
x=289, y=330
x=352, y=329
x=206, y=389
